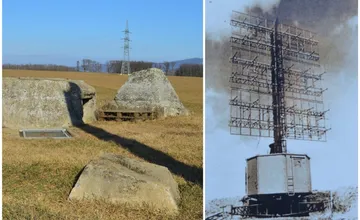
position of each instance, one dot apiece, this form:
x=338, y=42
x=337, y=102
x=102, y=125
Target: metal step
x=290, y=186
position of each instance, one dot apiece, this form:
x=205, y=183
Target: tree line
x=190, y=70
x=48, y=67
x=114, y=66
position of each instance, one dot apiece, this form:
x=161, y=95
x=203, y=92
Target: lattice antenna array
x=125, y=66
x=275, y=82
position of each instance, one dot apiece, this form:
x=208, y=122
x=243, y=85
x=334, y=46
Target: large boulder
x=118, y=179
x=46, y=103
x=148, y=90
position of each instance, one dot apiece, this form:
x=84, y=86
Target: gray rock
x=148, y=90
x=46, y=103
x=118, y=179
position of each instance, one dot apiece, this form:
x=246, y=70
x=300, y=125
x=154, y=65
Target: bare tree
x=172, y=64
x=108, y=66
x=97, y=66
x=167, y=67
x=86, y=65
x=158, y=65
x=78, y=66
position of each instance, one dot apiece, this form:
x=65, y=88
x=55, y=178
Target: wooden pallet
x=125, y=115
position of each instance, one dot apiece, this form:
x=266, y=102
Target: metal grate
x=59, y=133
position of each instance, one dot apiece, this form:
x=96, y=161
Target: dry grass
x=38, y=174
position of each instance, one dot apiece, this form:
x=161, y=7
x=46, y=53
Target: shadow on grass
x=77, y=178
x=190, y=173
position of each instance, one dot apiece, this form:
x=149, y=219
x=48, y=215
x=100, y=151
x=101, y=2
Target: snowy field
x=344, y=202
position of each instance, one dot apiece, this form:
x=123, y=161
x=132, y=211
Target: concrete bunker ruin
x=146, y=92
x=47, y=103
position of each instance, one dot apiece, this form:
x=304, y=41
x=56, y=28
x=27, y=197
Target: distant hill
x=188, y=61
x=178, y=63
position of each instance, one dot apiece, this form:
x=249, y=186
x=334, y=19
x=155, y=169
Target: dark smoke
x=320, y=16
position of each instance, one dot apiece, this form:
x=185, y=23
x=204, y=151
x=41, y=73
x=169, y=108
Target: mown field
x=39, y=174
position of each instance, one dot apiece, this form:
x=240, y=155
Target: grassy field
x=38, y=174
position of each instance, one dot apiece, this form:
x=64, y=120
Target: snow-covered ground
x=344, y=202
